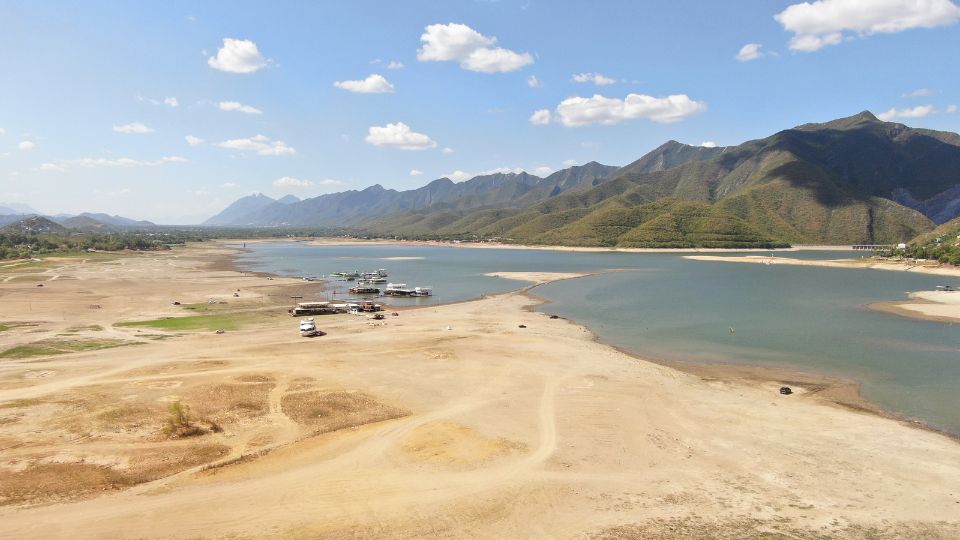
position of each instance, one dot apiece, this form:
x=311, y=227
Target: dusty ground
x=409, y=428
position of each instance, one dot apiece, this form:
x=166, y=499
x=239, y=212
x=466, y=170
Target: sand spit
x=449, y=421
x=866, y=263
x=538, y=278
x=942, y=306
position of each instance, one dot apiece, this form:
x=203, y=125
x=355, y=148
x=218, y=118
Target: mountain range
x=85, y=222
x=852, y=180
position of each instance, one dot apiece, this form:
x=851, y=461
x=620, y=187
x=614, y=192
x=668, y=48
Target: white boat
x=397, y=289
x=422, y=291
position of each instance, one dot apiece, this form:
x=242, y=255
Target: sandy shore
x=866, y=263
x=447, y=421
x=500, y=245
x=942, y=306
x=538, y=278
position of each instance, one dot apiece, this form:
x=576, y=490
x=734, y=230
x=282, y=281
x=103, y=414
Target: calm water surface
x=667, y=307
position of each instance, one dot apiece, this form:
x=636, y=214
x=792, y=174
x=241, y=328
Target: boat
x=379, y=274
x=312, y=308
x=421, y=291
x=397, y=289
x=308, y=328
x=346, y=275
x=364, y=289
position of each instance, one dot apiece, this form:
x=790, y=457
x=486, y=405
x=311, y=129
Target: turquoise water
x=668, y=307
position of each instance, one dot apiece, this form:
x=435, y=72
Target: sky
x=169, y=111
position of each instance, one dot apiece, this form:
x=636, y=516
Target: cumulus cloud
x=952, y=108
x=460, y=176
x=288, y=182
x=260, y=145
x=826, y=22
x=135, y=127
x=168, y=101
x=171, y=102
x=52, y=167
x=229, y=185
x=239, y=107
x=373, y=84
x=708, y=144
x=3, y=131
x=569, y=162
x=534, y=82
x=595, y=78
x=581, y=111
x=399, y=136
x=447, y=150
x=473, y=50
x=540, y=117
x=238, y=56
x=913, y=112
x=543, y=170
x=395, y=65
x=416, y=172
x=750, y=51
x=26, y=145
x=193, y=141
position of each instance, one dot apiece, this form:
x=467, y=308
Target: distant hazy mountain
x=236, y=212
x=35, y=224
x=288, y=199
x=15, y=208
x=358, y=208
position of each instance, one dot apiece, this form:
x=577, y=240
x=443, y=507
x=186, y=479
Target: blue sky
x=89, y=124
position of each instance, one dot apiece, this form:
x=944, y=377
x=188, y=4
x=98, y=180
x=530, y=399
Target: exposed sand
x=943, y=306
x=865, y=263
x=409, y=428
x=536, y=277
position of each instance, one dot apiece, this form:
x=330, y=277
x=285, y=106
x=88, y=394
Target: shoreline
x=829, y=389
x=499, y=245
x=486, y=418
x=851, y=264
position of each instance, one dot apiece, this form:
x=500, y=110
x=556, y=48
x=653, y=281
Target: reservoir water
x=661, y=305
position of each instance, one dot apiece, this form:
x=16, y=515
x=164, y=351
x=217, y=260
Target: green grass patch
x=11, y=325
x=225, y=321
x=50, y=347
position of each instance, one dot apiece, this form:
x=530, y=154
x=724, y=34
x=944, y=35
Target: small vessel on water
x=363, y=288
x=401, y=289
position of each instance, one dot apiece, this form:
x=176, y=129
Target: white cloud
x=229, y=185
x=534, y=82
x=914, y=112
x=3, y=131
x=90, y=163
x=287, y=181
x=952, y=108
x=238, y=56
x=447, y=150
x=581, y=111
x=260, y=145
x=543, y=170
x=540, y=117
x=52, y=167
x=708, y=144
x=239, y=107
x=416, y=172
x=750, y=51
x=193, y=141
x=395, y=65
x=329, y=182
x=400, y=136
x=919, y=92
x=569, y=162
x=135, y=127
x=168, y=101
x=373, y=84
x=171, y=101
x=473, y=50
x=458, y=176
x=595, y=78
x=26, y=145
x=823, y=22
